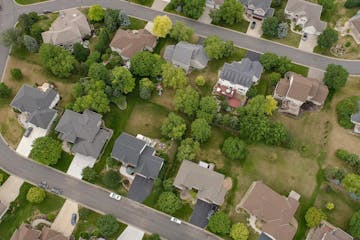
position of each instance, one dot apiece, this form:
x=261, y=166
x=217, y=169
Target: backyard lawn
x=23, y=211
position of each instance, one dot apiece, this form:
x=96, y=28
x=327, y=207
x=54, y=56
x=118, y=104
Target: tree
x=200, y=81
x=168, y=185
x=46, y=150
x=57, y=60
x=36, y=195
x=352, y=3
x=282, y=30
x=173, y=127
x=115, y=61
x=5, y=91
x=335, y=76
x=107, y=225
x=89, y=174
x=234, y=148
x=96, y=13
x=327, y=4
x=26, y=21
x=111, y=19
x=252, y=127
x=193, y=8
x=173, y=77
x=284, y=65
x=122, y=80
x=146, y=87
x=216, y=48
x=314, y=216
x=219, y=223
x=98, y=71
x=276, y=134
x=270, y=61
x=31, y=44
x=261, y=105
x=327, y=38
x=207, y=108
x=270, y=27
x=200, y=130
x=181, y=32
x=103, y=41
x=239, y=231
x=162, y=26
x=94, y=57
x=187, y=101
x=351, y=183
x=112, y=179
x=146, y=64
x=168, y=202
x=230, y=12
x=274, y=78
x=188, y=150
x=344, y=109
x=12, y=38
x=123, y=19
x=80, y=52
x=35, y=32
x=354, y=225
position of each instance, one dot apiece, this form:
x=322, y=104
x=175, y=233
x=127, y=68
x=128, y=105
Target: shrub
x=168, y=202
x=5, y=91
x=200, y=80
x=107, y=225
x=16, y=73
x=219, y=223
x=332, y=173
x=330, y=206
x=314, y=216
x=352, y=160
x=35, y=195
x=234, y=148
x=344, y=109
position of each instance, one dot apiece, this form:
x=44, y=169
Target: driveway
x=257, y=31
x=309, y=44
x=140, y=189
x=79, y=163
x=316, y=73
x=159, y=5
x=25, y=145
x=253, y=56
x=62, y=222
x=10, y=189
x=131, y=233
x=205, y=18
x=199, y=217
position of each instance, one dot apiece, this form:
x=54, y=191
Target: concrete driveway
x=309, y=44
x=257, y=31
x=205, y=18
x=131, y=233
x=62, y=222
x=25, y=145
x=78, y=163
x=316, y=73
x=10, y=189
x=159, y=5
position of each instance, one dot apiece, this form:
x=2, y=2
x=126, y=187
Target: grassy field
x=26, y=2
x=292, y=39
x=240, y=27
x=23, y=211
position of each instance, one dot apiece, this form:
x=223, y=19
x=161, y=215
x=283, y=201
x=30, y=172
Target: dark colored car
x=304, y=37
x=253, y=24
x=56, y=190
x=47, y=11
x=73, y=219
x=28, y=132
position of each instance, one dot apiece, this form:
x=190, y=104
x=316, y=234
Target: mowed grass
x=292, y=39
x=352, y=52
x=240, y=27
x=143, y=2
x=23, y=210
x=136, y=23
x=26, y=2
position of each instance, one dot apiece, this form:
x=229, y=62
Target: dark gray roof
x=73, y=125
x=134, y=152
x=242, y=73
x=94, y=147
x=42, y=118
x=263, y=236
x=29, y=99
x=263, y=4
x=356, y=116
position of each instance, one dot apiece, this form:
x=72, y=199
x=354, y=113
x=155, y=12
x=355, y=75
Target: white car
x=115, y=196
x=175, y=220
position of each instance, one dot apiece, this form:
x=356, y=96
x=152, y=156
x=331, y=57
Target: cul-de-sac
x=179, y=119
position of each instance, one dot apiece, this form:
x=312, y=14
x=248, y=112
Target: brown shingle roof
x=275, y=210
x=25, y=232
x=326, y=231
x=130, y=42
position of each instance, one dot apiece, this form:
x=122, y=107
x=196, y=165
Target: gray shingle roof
x=93, y=148
x=241, y=73
x=356, y=116
x=263, y=4
x=28, y=99
x=134, y=152
x=42, y=118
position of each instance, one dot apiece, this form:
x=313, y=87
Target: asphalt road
x=125, y=210
x=10, y=12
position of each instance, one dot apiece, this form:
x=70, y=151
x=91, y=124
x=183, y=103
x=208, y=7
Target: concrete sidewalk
x=10, y=190
x=159, y=5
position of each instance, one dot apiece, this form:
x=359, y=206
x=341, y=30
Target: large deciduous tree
x=188, y=150
x=162, y=26
x=168, y=202
x=216, y=48
x=173, y=127
x=46, y=150
x=122, y=80
x=193, y=8
x=219, y=223
x=234, y=148
x=181, y=32
x=173, y=77
x=146, y=87
x=270, y=27
x=96, y=13
x=146, y=64
x=207, y=108
x=187, y=100
x=335, y=76
x=230, y=12
x=327, y=38
x=200, y=130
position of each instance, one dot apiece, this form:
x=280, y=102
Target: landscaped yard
x=240, y=27
x=22, y=211
x=292, y=39
x=351, y=52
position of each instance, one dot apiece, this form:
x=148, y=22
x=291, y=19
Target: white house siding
x=239, y=89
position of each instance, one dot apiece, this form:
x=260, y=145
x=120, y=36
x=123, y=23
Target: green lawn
x=300, y=69
x=143, y=2
x=64, y=162
x=292, y=39
x=46, y=20
x=240, y=27
x=21, y=211
x=88, y=224
x=25, y=2
x=5, y=176
x=136, y=23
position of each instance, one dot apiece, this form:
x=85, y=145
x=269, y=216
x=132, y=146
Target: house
x=186, y=56
x=355, y=119
x=129, y=42
x=36, y=105
x=296, y=91
x=69, y=28
x=137, y=156
x=326, y=231
x=275, y=212
x=354, y=26
x=84, y=131
x=305, y=14
x=208, y=183
x=26, y=232
x=258, y=9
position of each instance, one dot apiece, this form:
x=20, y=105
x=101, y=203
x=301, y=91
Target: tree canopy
x=181, y=32
x=234, y=148
x=36, y=195
x=146, y=87
x=187, y=100
x=207, y=108
x=230, y=12
x=344, y=109
x=162, y=26
x=216, y=48
x=5, y=91
x=146, y=64
x=168, y=202
x=219, y=223
x=89, y=174
x=351, y=183
x=200, y=130
x=270, y=27
x=174, y=127
x=96, y=13
x=327, y=38
x=335, y=76
x=188, y=149
x=354, y=225
x=122, y=80
x=46, y=150
x=239, y=231
x=314, y=216
x=80, y=53
x=112, y=179
x=173, y=77
x=193, y=8
x=107, y=225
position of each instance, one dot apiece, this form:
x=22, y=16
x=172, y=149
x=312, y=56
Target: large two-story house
x=258, y=9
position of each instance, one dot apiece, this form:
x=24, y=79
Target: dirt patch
x=228, y=183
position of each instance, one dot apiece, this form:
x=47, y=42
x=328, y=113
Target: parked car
x=115, y=196
x=304, y=36
x=47, y=11
x=175, y=220
x=43, y=184
x=73, y=219
x=28, y=132
x=253, y=24
x=56, y=190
